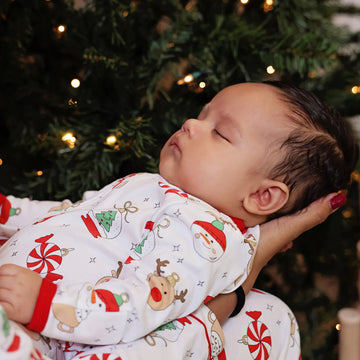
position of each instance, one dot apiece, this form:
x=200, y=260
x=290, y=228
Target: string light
x=39, y=173
x=337, y=327
x=111, y=140
x=202, y=84
x=244, y=1
x=355, y=89
x=70, y=139
x=72, y=102
x=270, y=69
x=1, y=161
x=189, y=78
x=75, y=83
x=61, y=28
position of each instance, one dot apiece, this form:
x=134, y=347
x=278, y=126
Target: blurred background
x=90, y=90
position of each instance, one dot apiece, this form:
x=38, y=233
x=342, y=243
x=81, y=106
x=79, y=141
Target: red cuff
x=43, y=305
x=5, y=209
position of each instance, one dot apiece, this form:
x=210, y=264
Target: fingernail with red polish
x=337, y=201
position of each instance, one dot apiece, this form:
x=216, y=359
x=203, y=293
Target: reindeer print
x=162, y=289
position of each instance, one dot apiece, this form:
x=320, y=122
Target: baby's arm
x=15, y=213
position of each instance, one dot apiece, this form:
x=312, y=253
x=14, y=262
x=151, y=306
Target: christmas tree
x=90, y=90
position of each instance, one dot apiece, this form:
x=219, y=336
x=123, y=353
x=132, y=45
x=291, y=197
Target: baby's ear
x=270, y=197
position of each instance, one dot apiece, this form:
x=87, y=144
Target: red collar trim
x=240, y=224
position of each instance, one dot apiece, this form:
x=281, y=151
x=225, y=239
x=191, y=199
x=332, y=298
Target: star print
x=92, y=259
x=146, y=199
x=14, y=253
x=177, y=213
x=110, y=329
x=156, y=205
x=133, y=246
x=189, y=353
x=200, y=283
x=269, y=307
x=129, y=320
x=65, y=225
x=134, y=314
x=224, y=275
x=136, y=268
x=278, y=322
x=176, y=247
x=13, y=243
x=180, y=260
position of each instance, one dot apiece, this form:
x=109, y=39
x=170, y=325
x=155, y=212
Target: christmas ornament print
x=108, y=223
x=46, y=257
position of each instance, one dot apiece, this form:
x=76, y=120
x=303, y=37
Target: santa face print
x=209, y=239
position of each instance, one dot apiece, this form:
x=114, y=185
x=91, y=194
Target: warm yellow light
x=67, y=137
x=347, y=214
x=61, y=28
x=111, y=140
x=355, y=89
x=1, y=161
x=72, y=102
x=202, y=85
x=75, y=83
x=270, y=69
x=39, y=173
x=188, y=78
x=269, y=2
x=337, y=327
x=244, y=1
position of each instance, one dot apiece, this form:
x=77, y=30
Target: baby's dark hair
x=320, y=153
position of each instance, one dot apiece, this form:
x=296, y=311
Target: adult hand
x=19, y=290
x=277, y=235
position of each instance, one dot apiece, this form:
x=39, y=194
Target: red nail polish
x=337, y=201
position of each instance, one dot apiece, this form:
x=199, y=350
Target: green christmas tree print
x=106, y=218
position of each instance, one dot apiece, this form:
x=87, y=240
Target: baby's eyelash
x=221, y=135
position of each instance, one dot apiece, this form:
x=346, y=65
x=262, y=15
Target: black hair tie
x=240, y=301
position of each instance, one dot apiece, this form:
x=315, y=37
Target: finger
x=276, y=234
x=8, y=308
x=7, y=281
x=10, y=269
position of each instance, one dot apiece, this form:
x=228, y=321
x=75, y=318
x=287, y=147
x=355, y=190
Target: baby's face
x=223, y=155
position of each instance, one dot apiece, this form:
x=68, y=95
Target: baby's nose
x=191, y=127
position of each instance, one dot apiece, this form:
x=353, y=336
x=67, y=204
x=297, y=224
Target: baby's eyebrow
x=231, y=122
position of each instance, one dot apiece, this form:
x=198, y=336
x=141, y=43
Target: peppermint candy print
x=46, y=257
x=106, y=356
x=258, y=337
